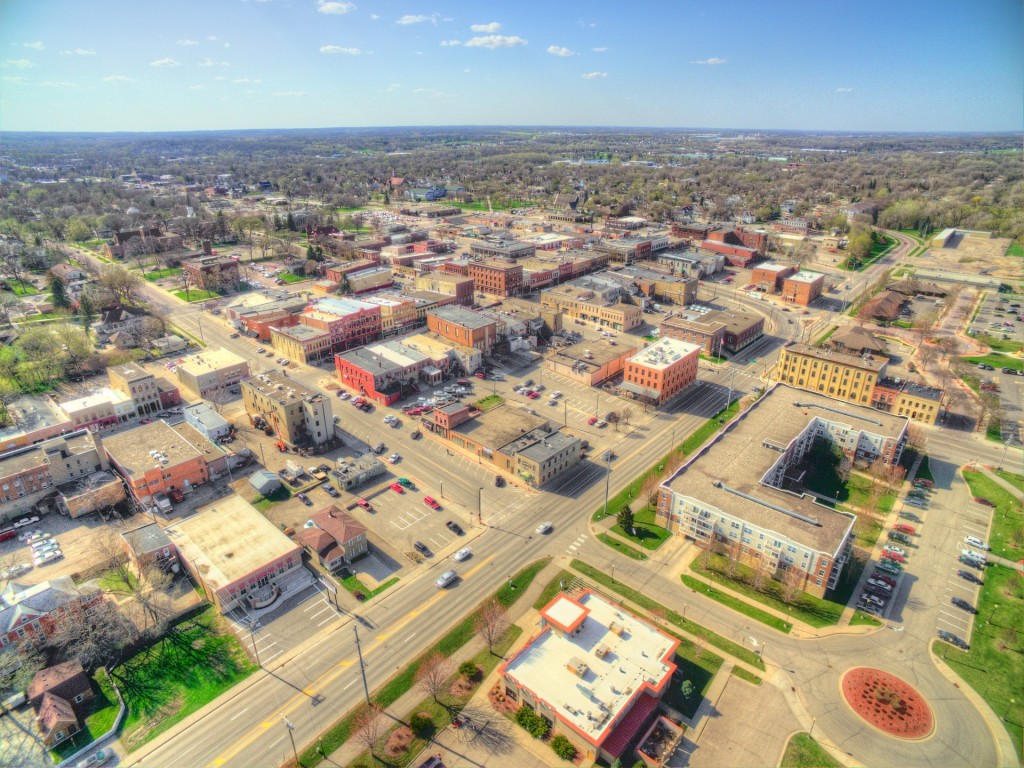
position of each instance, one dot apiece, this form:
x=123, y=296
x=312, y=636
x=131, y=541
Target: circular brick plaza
x=888, y=703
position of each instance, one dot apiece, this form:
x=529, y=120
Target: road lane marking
x=239, y=714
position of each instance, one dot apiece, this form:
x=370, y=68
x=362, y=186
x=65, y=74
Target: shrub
x=422, y=724
x=532, y=723
x=468, y=670
x=563, y=747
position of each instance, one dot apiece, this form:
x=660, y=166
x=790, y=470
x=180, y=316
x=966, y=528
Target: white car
x=45, y=546
x=48, y=557
x=25, y=521
x=894, y=548
x=394, y=458
x=556, y=394
x=101, y=757
x=15, y=571
x=462, y=554
x=33, y=534
x=974, y=541
x=545, y=527
x=388, y=419
x=344, y=396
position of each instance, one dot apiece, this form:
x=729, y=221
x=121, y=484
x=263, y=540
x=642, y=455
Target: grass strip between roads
x=713, y=638
x=688, y=446
x=401, y=683
x=803, y=751
x=743, y=674
x=736, y=604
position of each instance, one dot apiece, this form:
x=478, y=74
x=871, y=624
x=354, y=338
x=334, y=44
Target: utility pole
x=479, y=506
x=252, y=639
x=607, y=478
x=362, y=666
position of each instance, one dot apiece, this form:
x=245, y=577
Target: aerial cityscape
x=531, y=387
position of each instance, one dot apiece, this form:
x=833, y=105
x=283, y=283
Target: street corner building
x=741, y=492
x=595, y=672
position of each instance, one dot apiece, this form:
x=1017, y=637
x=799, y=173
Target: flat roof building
x=211, y=372
x=594, y=668
x=591, y=362
x=659, y=372
x=738, y=493
x=834, y=374
x=238, y=557
x=299, y=415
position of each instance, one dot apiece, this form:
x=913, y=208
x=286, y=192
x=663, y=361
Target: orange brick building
x=803, y=287
x=660, y=371
x=464, y=327
x=496, y=277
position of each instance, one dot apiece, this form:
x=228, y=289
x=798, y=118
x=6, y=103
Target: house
x=33, y=611
x=67, y=274
x=118, y=319
x=148, y=545
x=62, y=697
x=336, y=537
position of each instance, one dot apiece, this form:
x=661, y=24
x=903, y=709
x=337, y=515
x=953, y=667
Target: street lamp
x=479, y=505
x=607, y=478
x=291, y=727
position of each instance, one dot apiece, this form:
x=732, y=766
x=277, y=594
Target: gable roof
x=23, y=603
x=55, y=711
x=70, y=672
x=316, y=539
x=339, y=524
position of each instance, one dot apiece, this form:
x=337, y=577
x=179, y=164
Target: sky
x=154, y=65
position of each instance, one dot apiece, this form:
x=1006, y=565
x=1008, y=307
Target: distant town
x=485, y=447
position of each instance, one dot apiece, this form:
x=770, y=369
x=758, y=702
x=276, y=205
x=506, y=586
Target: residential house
x=335, y=537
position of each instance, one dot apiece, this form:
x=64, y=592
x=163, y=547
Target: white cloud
x=246, y=80
x=18, y=63
x=208, y=62
x=844, y=90
x=420, y=19
x=712, y=61
x=558, y=50
x=594, y=75
x=334, y=8
x=374, y=17
x=598, y=50
x=118, y=79
x=492, y=27
x=339, y=49
x=79, y=52
x=212, y=38
x=289, y=93
x=220, y=77
x=450, y=43
x=14, y=79
x=188, y=42
x=165, y=62
x=38, y=45
x=495, y=41
x=58, y=84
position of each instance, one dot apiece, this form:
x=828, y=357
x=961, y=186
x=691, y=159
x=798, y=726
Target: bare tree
x=700, y=644
x=626, y=415
x=96, y=635
x=8, y=301
x=649, y=488
x=492, y=623
x=707, y=547
x=369, y=728
x=733, y=562
x=761, y=575
x=792, y=584
x=433, y=675
x=916, y=437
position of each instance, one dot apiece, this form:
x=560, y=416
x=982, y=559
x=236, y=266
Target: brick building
x=768, y=276
x=464, y=327
x=350, y=323
x=497, y=278
x=659, y=372
x=461, y=288
x=803, y=287
x=138, y=384
x=211, y=272
x=299, y=414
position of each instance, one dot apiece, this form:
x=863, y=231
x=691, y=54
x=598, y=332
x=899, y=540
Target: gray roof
x=147, y=538
x=462, y=317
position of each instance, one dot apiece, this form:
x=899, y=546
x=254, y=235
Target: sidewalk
x=405, y=705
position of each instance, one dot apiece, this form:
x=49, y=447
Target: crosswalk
x=579, y=542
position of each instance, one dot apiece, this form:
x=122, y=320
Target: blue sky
x=897, y=65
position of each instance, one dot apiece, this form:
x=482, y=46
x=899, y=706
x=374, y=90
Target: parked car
x=880, y=584
x=44, y=545
x=982, y=500
x=910, y=516
x=968, y=576
x=974, y=541
x=420, y=547
x=592, y=420
x=99, y=757
x=397, y=488
x=892, y=556
x=904, y=528
x=890, y=566
x=415, y=434
x=974, y=563
x=869, y=599
x=379, y=448
x=963, y=605
x=394, y=458
x=499, y=481
x=45, y=558
x=25, y=521
x=454, y=527
x=343, y=395
x=462, y=554
x=894, y=548
x=15, y=571
x=974, y=555
x=304, y=499
x=329, y=490
x=431, y=502
x=882, y=576
x=364, y=504
x=902, y=538
x=923, y=483
x=949, y=637
x=36, y=534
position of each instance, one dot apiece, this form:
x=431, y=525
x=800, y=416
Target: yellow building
x=587, y=305
x=397, y=313
x=836, y=374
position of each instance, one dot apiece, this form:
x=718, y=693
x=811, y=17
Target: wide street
x=313, y=684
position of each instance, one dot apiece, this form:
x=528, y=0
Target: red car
x=884, y=577
x=894, y=556
x=904, y=528
x=983, y=500
x=431, y=502
x=479, y=374
x=592, y=420
x=364, y=504
x=397, y=488
x=533, y=395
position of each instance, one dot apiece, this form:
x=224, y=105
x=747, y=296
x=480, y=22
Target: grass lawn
x=743, y=674
x=1015, y=249
x=1008, y=346
x=1007, y=536
x=196, y=294
x=1015, y=480
x=21, y=288
x=553, y=588
x=157, y=274
x=638, y=598
x=402, y=682
x=856, y=492
x=697, y=668
x=712, y=358
x=353, y=585
x=648, y=535
x=804, y=752
x=806, y=608
x=996, y=360
x=498, y=204
x=195, y=662
x=263, y=503
x=826, y=336
x=290, y=277
x=866, y=619
x=621, y=546
x=914, y=234
x=736, y=604
x=491, y=401
x=41, y=317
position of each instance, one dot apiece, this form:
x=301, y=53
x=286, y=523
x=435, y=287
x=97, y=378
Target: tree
x=733, y=554
x=369, y=727
x=59, y=292
x=761, y=575
x=625, y=518
x=85, y=311
x=613, y=419
x=433, y=675
x=492, y=623
x=125, y=286
x=8, y=301
x=792, y=584
x=96, y=635
x=78, y=230
x=626, y=415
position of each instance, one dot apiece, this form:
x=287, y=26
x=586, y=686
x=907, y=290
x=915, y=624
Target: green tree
x=290, y=222
x=85, y=311
x=59, y=292
x=78, y=230
x=625, y=518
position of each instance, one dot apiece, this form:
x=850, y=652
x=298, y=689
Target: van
x=446, y=579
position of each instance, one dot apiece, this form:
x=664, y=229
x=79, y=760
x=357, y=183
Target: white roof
x=102, y=396
x=804, y=276
x=664, y=352
x=616, y=655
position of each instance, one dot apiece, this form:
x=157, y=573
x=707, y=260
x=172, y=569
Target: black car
x=963, y=605
x=949, y=637
x=877, y=591
x=911, y=516
x=304, y=499
x=454, y=527
x=968, y=576
x=420, y=547
x=499, y=481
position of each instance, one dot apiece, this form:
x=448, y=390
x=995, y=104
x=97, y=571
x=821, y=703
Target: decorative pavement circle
x=888, y=703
